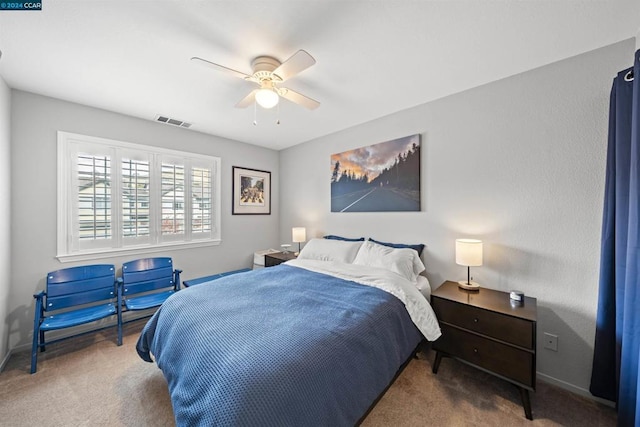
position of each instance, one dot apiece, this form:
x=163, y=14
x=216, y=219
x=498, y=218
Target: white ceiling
x=373, y=57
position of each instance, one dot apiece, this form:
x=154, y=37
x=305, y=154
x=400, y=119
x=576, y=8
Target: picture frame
x=382, y=177
x=251, y=190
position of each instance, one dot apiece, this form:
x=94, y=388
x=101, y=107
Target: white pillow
x=404, y=262
x=330, y=250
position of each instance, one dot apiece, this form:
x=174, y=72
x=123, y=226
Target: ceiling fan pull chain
x=278, y=118
x=255, y=114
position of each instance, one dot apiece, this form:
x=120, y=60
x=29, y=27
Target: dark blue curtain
x=617, y=346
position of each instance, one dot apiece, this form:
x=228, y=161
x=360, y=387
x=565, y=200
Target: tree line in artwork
x=403, y=174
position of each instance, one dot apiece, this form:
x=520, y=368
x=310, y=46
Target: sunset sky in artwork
x=373, y=159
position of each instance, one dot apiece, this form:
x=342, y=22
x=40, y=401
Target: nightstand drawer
x=270, y=262
x=498, y=358
x=500, y=326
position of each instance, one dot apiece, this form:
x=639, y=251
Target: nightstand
x=278, y=258
x=487, y=331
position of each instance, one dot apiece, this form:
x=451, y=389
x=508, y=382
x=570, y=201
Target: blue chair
x=74, y=296
x=147, y=283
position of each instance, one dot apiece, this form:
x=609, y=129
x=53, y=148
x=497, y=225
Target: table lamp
x=469, y=254
x=298, y=235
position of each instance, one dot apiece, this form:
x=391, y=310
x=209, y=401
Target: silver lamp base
x=471, y=286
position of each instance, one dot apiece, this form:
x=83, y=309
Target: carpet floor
x=89, y=381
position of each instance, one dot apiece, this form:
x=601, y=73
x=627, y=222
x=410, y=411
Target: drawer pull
x=475, y=350
x=475, y=320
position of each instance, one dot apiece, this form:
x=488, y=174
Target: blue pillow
x=346, y=239
x=418, y=248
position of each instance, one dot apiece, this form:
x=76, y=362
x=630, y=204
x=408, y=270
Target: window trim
x=65, y=241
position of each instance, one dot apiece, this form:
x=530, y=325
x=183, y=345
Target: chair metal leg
x=42, y=346
x=34, y=352
x=34, y=347
x=119, y=328
x=119, y=311
x=38, y=334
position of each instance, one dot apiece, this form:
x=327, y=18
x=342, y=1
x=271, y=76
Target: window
x=116, y=197
x=135, y=198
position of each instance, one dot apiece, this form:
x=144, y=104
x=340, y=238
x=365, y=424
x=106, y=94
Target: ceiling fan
x=268, y=73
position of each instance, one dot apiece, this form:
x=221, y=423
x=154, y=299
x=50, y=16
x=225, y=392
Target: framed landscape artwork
x=383, y=177
x=251, y=192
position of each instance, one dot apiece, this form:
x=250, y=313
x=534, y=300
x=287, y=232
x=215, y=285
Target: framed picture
x=383, y=177
x=251, y=192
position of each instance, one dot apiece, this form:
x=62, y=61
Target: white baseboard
x=19, y=348
x=573, y=388
x=5, y=360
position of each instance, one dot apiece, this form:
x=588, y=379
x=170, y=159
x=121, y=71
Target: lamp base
x=470, y=286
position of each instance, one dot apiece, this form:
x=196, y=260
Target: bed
x=314, y=341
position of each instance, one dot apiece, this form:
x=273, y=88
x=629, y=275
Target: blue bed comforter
x=281, y=346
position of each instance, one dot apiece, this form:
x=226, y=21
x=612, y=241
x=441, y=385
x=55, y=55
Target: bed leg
x=421, y=347
x=416, y=351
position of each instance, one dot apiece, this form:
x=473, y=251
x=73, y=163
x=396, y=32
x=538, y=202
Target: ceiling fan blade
x=298, y=98
x=247, y=100
x=219, y=67
x=298, y=62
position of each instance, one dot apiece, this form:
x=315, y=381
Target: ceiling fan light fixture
x=267, y=98
x=268, y=73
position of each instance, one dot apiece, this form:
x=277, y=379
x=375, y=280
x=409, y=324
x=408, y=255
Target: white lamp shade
x=267, y=98
x=469, y=252
x=298, y=234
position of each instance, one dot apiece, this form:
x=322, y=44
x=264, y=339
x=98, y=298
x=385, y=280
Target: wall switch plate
x=551, y=341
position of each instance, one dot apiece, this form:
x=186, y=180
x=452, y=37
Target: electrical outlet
x=551, y=341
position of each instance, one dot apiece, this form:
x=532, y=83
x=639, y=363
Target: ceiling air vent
x=173, y=122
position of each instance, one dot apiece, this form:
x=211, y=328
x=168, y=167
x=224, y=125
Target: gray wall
x=34, y=123
x=5, y=217
x=518, y=163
